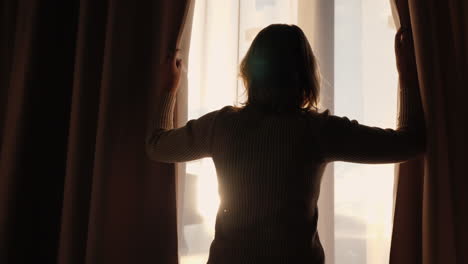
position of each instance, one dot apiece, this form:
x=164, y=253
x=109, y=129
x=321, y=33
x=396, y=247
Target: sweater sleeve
x=164, y=143
x=342, y=139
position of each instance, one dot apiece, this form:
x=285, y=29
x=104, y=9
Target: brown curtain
x=78, y=79
x=431, y=210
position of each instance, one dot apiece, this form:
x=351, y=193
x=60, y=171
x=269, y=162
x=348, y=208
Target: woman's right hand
x=405, y=58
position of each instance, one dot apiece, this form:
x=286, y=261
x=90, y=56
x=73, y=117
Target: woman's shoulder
x=229, y=109
x=326, y=115
x=331, y=122
x=325, y=120
x=318, y=114
x=232, y=108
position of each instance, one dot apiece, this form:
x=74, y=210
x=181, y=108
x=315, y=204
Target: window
x=360, y=82
x=366, y=84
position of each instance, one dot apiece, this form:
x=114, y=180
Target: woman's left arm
x=190, y=142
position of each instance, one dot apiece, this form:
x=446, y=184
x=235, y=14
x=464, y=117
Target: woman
x=271, y=152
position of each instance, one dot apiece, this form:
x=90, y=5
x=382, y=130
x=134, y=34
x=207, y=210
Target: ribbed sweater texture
x=269, y=168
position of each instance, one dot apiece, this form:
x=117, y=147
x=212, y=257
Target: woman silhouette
x=270, y=153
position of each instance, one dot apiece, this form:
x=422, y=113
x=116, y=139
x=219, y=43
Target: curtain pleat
x=79, y=80
x=431, y=211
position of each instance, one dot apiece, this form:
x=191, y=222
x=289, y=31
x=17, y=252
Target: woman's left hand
x=172, y=71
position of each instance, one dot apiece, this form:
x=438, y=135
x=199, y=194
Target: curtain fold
x=430, y=205
x=78, y=82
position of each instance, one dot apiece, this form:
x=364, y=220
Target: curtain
x=431, y=209
x=78, y=79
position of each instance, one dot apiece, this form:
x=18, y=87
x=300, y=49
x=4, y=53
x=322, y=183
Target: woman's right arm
x=346, y=140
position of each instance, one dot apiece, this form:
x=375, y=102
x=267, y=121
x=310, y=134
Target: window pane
x=366, y=90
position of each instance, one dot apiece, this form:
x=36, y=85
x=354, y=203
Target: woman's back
x=269, y=180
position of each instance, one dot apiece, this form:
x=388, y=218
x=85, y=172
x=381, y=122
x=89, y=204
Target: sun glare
x=208, y=200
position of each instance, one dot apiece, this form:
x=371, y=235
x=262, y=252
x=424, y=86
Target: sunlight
x=207, y=197
x=194, y=259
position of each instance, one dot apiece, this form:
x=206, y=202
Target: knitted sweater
x=269, y=169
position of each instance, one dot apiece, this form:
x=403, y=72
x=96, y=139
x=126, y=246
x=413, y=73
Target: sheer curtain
x=365, y=89
x=354, y=226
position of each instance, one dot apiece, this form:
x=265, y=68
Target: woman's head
x=279, y=71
